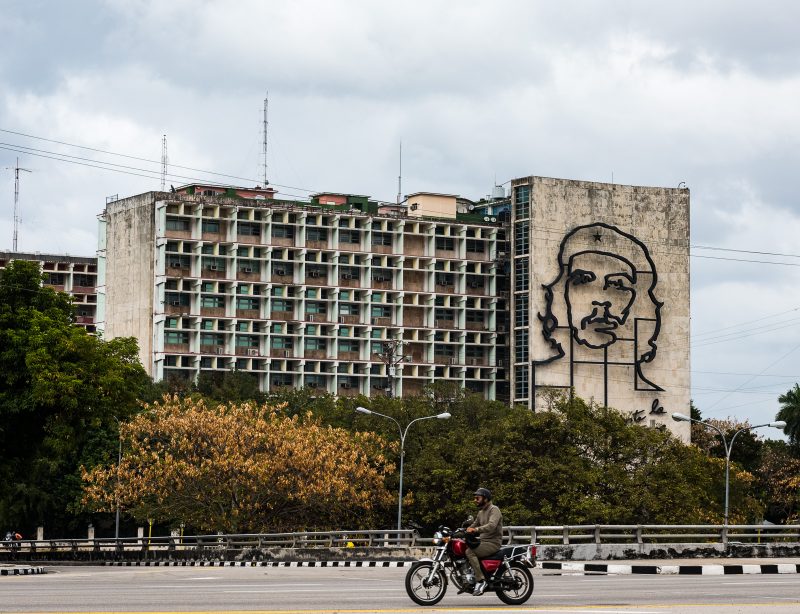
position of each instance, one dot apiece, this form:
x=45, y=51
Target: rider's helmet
x=485, y=493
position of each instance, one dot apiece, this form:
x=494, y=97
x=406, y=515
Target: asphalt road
x=177, y=589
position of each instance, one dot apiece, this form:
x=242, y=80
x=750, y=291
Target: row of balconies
x=326, y=355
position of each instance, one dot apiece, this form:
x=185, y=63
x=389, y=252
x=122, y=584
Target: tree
x=60, y=390
x=790, y=412
x=243, y=468
x=576, y=464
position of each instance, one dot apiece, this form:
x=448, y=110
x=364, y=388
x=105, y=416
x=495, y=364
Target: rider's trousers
x=473, y=555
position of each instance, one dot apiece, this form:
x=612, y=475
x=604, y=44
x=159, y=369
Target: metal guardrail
x=540, y=535
x=653, y=534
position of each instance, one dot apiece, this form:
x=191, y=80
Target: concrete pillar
x=39, y=534
x=90, y=535
x=140, y=535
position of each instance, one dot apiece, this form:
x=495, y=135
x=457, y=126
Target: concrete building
x=600, y=297
x=75, y=275
x=582, y=287
x=342, y=294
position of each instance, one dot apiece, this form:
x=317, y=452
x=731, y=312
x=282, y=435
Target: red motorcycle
x=507, y=572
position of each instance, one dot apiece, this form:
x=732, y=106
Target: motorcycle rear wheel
x=522, y=578
x=416, y=580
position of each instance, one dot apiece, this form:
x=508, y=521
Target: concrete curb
x=679, y=570
x=21, y=571
x=259, y=563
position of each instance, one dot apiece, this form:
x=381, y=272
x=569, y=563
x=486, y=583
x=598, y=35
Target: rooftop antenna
x=266, y=127
x=163, y=162
x=17, y=218
x=400, y=177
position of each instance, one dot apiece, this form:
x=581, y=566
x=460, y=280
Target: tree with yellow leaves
x=243, y=468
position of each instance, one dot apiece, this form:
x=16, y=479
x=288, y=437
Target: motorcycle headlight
x=437, y=538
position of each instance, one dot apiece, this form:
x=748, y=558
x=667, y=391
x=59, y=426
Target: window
x=522, y=238
x=444, y=314
x=178, y=262
x=83, y=280
x=212, y=301
x=276, y=328
x=376, y=347
x=214, y=264
x=207, y=325
x=522, y=197
x=348, y=309
x=349, y=236
x=211, y=226
x=177, y=223
x=315, y=307
x=175, y=299
x=172, y=246
x=348, y=346
x=283, y=232
x=521, y=275
x=379, y=311
x=315, y=343
x=211, y=339
x=444, y=279
x=242, y=326
x=474, y=316
x=521, y=387
x=247, y=303
x=171, y=323
x=207, y=286
x=381, y=238
x=344, y=295
x=246, y=341
x=248, y=266
x=282, y=305
x=445, y=243
x=282, y=343
x=248, y=230
x=521, y=345
x=475, y=247
x=521, y=310
x=176, y=337
x=344, y=331
x=316, y=234
x=441, y=349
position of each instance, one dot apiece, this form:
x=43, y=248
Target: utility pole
x=17, y=219
x=393, y=356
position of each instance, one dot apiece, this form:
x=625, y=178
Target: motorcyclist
x=488, y=524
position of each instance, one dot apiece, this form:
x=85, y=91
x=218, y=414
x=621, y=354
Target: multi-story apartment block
x=75, y=275
x=342, y=294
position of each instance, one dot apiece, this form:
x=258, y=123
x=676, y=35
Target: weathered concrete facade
x=126, y=253
x=600, y=286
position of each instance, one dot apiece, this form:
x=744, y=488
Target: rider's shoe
x=479, y=588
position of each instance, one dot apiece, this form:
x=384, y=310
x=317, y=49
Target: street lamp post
x=119, y=462
x=728, y=446
x=443, y=416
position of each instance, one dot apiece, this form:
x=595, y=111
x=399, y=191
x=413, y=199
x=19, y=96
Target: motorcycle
x=507, y=572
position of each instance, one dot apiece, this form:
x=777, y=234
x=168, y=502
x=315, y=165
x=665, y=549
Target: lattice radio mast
x=17, y=218
x=266, y=127
x=164, y=162
x=400, y=177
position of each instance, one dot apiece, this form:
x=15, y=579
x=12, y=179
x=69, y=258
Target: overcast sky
x=650, y=93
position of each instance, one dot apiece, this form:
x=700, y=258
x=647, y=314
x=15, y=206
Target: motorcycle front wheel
x=518, y=585
x=423, y=588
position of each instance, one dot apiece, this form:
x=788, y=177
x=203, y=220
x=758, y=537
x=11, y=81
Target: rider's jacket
x=489, y=525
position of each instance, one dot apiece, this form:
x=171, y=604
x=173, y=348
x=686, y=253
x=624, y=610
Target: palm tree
x=790, y=412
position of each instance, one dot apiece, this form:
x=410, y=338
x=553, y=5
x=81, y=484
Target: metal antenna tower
x=400, y=177
x=17, y=219
x=164, y=162
x=393, y=355
x=266, y=127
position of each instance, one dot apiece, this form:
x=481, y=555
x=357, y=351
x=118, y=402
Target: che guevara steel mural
x=601, y=309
